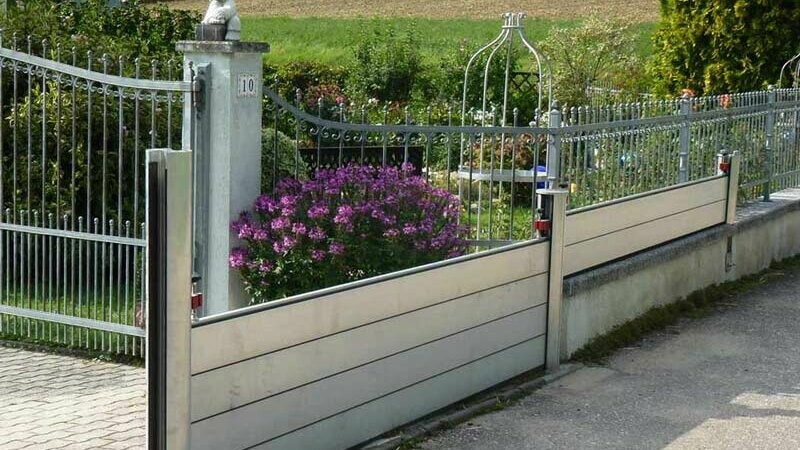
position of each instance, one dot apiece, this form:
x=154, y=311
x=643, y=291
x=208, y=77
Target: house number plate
x=247, y=86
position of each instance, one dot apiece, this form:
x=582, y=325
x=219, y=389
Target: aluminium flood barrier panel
x=602, y=233
x=354, y=363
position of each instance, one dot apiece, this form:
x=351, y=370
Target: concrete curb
x=451, y=416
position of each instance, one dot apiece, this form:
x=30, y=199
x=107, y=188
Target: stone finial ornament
x=223, y=12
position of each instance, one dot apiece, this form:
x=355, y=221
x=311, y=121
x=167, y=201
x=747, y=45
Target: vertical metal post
x=685, y=138
x=197, y=140
x=734, y=167
x=554, y=202
x=768, y=145
x=168, y=272
x=553, y=148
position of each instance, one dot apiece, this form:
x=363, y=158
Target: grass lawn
x=107, y=307
x=332, y=40
x=326, y=30
x=637, y=11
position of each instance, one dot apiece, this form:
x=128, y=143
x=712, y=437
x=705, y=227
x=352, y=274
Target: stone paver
x=53, y=402
x=728, y=381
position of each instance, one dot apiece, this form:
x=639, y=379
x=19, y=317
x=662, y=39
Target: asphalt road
x=727, y=381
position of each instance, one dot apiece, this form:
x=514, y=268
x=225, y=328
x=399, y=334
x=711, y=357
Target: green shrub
x=600, y=50
x=304, y=75
x=447, y=77
x=287, y=164
x=387, y=64
x=130, y=30
x=92, y=144
x=722, y=46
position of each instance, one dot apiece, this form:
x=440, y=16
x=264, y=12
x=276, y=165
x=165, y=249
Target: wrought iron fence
x=600, y=153
x=616, y=150
x=491, y=167
x=74, y=130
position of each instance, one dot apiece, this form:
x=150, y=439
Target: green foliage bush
x=387, y=64
x=304, y=75
x=130, y=30
x=93, y=150
x=287, y=163
x=598, y=51
x=447, y=77
x=720, y=46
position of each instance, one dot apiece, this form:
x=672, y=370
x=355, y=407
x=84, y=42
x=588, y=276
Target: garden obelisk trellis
x=512, y=30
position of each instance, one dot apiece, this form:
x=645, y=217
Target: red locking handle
x=542, y=225
x=197, y=300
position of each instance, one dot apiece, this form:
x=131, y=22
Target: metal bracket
x=199, y=82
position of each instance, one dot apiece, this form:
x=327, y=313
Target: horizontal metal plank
x=132, y=83
x=54, y=232
x=623, y=214
x=489, y=243
x=633, y=197
x=243, y=337
x=753, y=183
x=72, y=320
x=324, y=292
x=781, y=175
x=600, y=250
x=386, y=413
x=270, y=418
x=254, y=379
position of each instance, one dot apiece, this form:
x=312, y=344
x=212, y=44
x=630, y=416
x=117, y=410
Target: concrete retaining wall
x=599, y=299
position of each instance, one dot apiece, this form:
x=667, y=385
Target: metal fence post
x=554, y=202
x=734, y=167
x=168, y=272
x=553, y=147
x=768, y=150
x=196, y=137
x=685, y=139
x=730, y=164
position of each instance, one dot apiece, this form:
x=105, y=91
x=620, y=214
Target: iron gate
x=74, y=130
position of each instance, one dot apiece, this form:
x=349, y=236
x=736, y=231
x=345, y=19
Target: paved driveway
x=728, y=381
x=58, y=402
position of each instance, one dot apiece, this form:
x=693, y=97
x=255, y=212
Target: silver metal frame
x=557, y=200
x=168, y=275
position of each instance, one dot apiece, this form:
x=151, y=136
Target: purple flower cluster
x=344, y=224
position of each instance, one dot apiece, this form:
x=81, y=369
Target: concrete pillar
x=227, y=144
